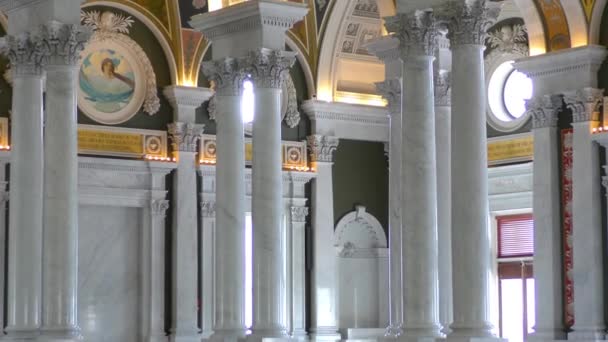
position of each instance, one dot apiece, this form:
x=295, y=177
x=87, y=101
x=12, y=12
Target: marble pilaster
x=24, y=276
x=416, y=31
x=587, y=252
x=388, y=50
x=62, y=44
x=268, y=68
x=229, y=239
x=547, y=219
x=323, y=276
x=298, y=216
x=471, y=255
x=207, y=217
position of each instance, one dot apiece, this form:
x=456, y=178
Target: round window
x=508, y=91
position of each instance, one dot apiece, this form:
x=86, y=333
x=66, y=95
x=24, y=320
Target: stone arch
x=360, y=230
x=158, y=34
x=595, y=21
x=577, y=23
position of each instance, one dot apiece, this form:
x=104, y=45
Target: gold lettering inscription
x=110, y=142
x=519, y=148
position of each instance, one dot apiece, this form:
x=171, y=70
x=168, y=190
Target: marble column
x=416, y=31
x=587, y=252
x=443, y=119
x=471, y=254
x=63, y=44
x=229, y=246
x=268, y=69
x=324, y=274
x=184, y=327
x=24, y=278
x=185, y=135
x=547, y=220
x=298, y=216
x=391, y=91
x=207, y=217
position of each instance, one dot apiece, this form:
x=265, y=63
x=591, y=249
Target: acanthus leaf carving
x=584, y=103
x=299, y=214
x=159, y=207
x=185, y=136
x=322, y=147
x=63, y=43
x=226, y=74
x=268, y=68
x=543, y=110
x=391, y=90
x=443, y=88
x=208, y=209
x=468, y=21
x=416, y=31
x=25, y=52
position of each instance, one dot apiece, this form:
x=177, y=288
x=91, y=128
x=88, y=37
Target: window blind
x=515, y=236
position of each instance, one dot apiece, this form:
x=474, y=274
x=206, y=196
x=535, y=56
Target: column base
x=185, y=336
x=587, y=334
x=268, y=335
x=237, y=335
x=460, y=334
x=548, y=335
x=300, y=335
x=156, y=338
x=60, y=334
x=325, y=334
x=393, y=331
x=20, y=334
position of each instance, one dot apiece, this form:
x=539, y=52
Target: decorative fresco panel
x=588, y=6
x=556, y=24
x=367, y=9
x=566, y=163
x=159, y=8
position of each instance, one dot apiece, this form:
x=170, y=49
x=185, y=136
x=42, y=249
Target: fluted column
x=24, y=277
x=229, y=259
x=63, y=44
x=324, y=274
x=416, y=31
x=587, y=253
x=268, y=69
x=184, y=327
x=547, y=223
x=467, y=24
x=443, y=119
x=391, y=91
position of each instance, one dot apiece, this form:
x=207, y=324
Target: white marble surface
x=419, y=213
x=109, y=274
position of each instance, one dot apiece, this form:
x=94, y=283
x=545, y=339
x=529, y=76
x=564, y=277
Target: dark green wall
x=148, y=42
x=6, y=91
x=360, y=176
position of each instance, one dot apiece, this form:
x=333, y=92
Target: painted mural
x=556, y=24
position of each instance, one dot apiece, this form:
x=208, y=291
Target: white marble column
x=207, y=217
x=298, y=216
x=229, y=259
x=268, y=68
x=416, y=31
x=443, y=119
x=470, y=235
x=391, y=91
x=324, y=274
x=587, y=252
x=24, y=278
x=547, y=220
x=63, y=44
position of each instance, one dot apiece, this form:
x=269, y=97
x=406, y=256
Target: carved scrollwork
x=416, y=32
x=322, y=147
x=543, y=110
x=268, y=68
x=584, y=103
x=468, y=21
x=63, y=43
x=159, y=207
x=25, y=52
x=298, y=214
x=292, y=114
x=185, y=136
x=227, y=76
x=391, y=90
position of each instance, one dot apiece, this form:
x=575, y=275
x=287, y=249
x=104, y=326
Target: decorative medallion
x=116, y=77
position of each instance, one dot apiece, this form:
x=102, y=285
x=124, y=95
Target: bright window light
x=247, y=102
x=518, y=89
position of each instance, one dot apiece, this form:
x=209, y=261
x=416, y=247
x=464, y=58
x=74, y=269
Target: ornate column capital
x=208, y=209
x=226, y=75
x=584, y=103
x=468, y=21
x=391, y=90
x=543, y=110
x=443, y=88
x=185, y=136
x=321, y=148
x=298, y=214
x=416, y=31
x=25, y=52
x=63, y=43
x=159, y=207
x=268, y=68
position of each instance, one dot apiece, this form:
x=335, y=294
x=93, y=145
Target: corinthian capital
x=158, y=207
x=268, y=68
x=226, y=75
x=391, y=90
x=25, y=52
x=322, y=147
x=416, y=31
x=185, y=136
x=63, y=43
x=543, y=110
x=468, y=21
x=585, y=104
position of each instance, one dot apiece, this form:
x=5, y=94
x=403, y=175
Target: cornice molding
x=122, y=165
x=336, y=111
x=186, y=96
x=386, y=48
x=585, y=58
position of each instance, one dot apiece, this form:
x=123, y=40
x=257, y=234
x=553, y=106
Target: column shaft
x=229, y=280
x=25, y=207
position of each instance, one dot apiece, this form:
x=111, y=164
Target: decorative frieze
x=25, y=52
x=227, y=76
x=268, y=68
x=299, y=214
x=185, y=136
x=443, y=89
x=468, y=21
x=543, y=110
x=159, y=207
x=208, y=209
x=391, y=90
x=62, y=43
x=322, y=147
x=416, y=32
x=585, y=104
